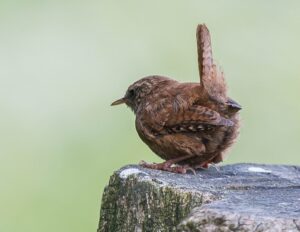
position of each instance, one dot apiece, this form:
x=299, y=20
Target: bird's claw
x=167, y=166
x=207, y=165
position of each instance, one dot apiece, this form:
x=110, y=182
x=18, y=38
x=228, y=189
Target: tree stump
x=240, y=197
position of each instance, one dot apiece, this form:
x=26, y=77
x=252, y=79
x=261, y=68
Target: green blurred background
x=64, y=62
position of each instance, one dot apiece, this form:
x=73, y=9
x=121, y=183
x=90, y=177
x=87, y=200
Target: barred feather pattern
x=211, y=77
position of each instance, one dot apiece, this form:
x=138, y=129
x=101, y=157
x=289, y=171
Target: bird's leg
x=207, y=164
x=186, y=168
x=167, y=165
x=215, y=166
x=204, y=165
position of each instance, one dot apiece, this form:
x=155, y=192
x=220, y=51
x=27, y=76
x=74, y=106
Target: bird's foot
x=161, y=166
x=168, y=166
x=202, y=166
x=207, y=165
x=215, y=166
x=188, y=168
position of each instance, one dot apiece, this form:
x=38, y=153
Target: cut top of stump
x=240, y=197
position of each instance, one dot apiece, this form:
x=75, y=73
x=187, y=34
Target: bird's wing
x=192, y=119
x=198, y=115
x=211, y=78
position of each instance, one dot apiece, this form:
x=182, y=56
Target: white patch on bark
x=130, y=171
x=258, y=169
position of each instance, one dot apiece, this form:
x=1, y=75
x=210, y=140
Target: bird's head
x=140, y=90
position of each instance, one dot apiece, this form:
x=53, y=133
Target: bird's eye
x=131, y=93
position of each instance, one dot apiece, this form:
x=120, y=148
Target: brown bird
x=190, y=125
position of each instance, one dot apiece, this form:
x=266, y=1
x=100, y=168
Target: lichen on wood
x=145, y=204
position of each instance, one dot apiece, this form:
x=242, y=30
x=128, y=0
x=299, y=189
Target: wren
x=189, y=125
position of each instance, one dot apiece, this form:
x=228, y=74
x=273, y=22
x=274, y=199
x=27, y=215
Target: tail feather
x=211, y=78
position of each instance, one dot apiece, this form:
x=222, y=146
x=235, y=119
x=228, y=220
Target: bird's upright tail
x=211, y=77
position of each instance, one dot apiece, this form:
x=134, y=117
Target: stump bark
x=240, y=197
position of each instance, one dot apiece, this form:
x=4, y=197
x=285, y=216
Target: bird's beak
x=118, y=102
